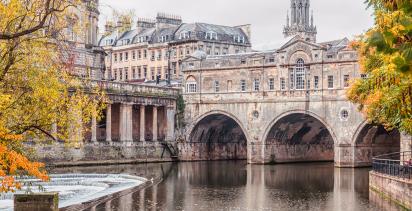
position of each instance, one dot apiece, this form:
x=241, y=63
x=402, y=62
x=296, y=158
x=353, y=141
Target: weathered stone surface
x=399, y=191
x=36, y=202
x=89, y=154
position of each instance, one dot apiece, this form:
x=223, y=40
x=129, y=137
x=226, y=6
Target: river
x=236, y=186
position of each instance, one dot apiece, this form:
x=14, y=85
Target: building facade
x=284, y=105
x=84, y=55
x=155, y=48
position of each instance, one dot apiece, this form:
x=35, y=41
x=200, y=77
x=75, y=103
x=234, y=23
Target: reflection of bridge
x=285, y=106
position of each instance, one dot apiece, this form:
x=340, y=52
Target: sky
x=335, y=19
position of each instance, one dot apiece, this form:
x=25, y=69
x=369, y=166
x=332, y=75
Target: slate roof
x=197, y=31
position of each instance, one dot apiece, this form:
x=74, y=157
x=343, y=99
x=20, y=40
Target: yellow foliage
x=37, y=84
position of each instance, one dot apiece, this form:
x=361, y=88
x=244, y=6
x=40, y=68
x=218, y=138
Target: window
x=364, y=76
x=139, y=54
x=225, y=51
x=187, y=50
x=316, y=82
x=145, y=53
x=217, y=51
x=152, y=73
x=239, y=39
x=139, y=72
x=159, y=71
x=126, y=56
x=272, y=60
x=126, y=73
x=121, y=57
x=145, y=72
x=159, y=55
x=256, y=85
x=344, y=114
x=216, y=86
x=133, y=72
x=208, y=50
x=271, y=84
x=191, y=87
x=115, y=74
x=282, y=84
x=243, y=85
x=298, y=75
x=152, y=57
x=346, y=81
x=211, y=36
x=329, y=56
x=134, y=55
x=330, y=81
x=243, y=61
x=121, y=74
x=184, y=35
x=115, y=57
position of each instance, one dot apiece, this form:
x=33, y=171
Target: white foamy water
x=75, y=188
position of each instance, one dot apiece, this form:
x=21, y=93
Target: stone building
x=284, y=105
x=84, y=54
x=156, y=47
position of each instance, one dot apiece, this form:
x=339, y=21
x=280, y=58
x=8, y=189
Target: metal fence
x=394, y=164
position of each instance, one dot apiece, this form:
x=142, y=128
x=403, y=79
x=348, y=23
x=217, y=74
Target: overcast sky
x=334, y=19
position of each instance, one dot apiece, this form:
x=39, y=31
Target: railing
x=394, y=164
x=139, y=89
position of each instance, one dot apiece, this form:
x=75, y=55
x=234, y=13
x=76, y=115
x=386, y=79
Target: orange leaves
x=14, y=164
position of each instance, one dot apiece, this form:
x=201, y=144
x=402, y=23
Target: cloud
x=335, y=19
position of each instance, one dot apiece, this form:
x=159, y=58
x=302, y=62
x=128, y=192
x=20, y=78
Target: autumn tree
x=38, y=88
x=385, y=51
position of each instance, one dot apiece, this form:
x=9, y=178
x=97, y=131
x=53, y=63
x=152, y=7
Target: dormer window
x=239, y=39
x=211, y=36
x=184, y=35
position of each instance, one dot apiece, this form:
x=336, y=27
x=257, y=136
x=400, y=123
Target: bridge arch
x=299, y=136
x=216, y=135
x=371, y=140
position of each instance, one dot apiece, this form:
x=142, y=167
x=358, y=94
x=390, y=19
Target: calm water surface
x=236, y=186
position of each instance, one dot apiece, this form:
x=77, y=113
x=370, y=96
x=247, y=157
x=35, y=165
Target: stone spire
x=301, y=23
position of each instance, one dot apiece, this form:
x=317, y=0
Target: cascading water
x=75, y=188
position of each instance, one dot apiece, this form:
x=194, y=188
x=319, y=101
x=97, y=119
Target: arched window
x=191, y=85
x=298, y=75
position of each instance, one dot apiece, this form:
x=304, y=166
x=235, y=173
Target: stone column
x=170, y=118
x=142, y=123
x=155, y=128
x=94, y=129
x=109, y=123
x=126, y=119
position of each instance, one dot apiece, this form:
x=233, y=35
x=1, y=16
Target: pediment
x=298, y=41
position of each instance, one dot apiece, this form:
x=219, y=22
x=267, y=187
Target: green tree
x=385, y=52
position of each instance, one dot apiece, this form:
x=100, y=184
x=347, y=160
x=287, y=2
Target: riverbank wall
x=60, y=155
x=392, y=189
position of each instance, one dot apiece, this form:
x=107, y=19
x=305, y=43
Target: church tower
x=300, y=21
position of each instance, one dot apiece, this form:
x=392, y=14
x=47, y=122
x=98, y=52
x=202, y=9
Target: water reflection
x=237, y=186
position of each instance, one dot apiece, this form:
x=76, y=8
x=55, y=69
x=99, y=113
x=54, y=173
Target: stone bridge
x=288, y=105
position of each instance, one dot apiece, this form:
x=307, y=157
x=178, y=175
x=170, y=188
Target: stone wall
x=212, y=151
x=100, y=154
x=392, y=189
